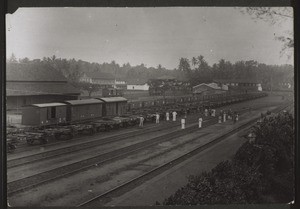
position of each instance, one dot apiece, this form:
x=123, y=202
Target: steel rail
x=121, y=189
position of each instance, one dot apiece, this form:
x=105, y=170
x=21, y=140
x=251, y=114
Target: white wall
x=144, y=87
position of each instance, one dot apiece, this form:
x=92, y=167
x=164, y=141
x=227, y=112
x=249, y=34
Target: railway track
x=47, y=176
x=102, y=199
x=23, y=147
x=86, y=145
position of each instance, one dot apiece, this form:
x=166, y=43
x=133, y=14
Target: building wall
x=17, y=102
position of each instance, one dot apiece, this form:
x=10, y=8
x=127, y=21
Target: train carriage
x=86, y=109
x=114, y=106
x=44, y=114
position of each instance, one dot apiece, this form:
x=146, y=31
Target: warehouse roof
x=33, y=72
x=113, y=99
x=39, y=88
x=211, y=85
x=53, y=104
x=84, y=101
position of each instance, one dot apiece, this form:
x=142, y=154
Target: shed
x=84, y=109
x=114, y=106
x=44, y=114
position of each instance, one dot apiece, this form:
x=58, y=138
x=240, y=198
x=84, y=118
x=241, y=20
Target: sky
x=151, y=36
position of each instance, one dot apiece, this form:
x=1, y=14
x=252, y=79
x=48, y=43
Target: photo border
x=10, y=6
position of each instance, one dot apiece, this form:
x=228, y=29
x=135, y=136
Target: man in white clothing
x=167, y=116
x=200, y=122
x=182, y=123
x=174, y=115
x=157, y=118
x=141, y=121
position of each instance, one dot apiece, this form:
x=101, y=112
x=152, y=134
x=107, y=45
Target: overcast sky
x=143, y=35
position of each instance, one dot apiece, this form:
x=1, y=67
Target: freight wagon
x=81, y=110
x=44, y=114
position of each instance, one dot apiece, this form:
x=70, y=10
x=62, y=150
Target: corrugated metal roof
x=113, y=99
x=39, y=88
x=84, y=101
x=54, y=104
x=211, y=85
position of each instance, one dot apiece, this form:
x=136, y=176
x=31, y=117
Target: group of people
x=228, y=115
x=223, y=117
x=157, y=116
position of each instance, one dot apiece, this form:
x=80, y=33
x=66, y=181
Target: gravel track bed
x=34, y=180
x=31, y=181
x=150, y=173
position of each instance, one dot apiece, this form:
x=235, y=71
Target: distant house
x=32, y=84
x=137, y=85
x=244, y=85
x=103, y=79
x=211, y=88
x=121, y=85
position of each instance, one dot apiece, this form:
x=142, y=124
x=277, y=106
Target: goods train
x=76, y=111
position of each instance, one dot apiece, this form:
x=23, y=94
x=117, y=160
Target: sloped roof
x=237, y=80
x=211, y=85
x=100, y=75
x=39, y=88
x=113, y=99
x=83, y=101
x=32, y=72
x=53, y=104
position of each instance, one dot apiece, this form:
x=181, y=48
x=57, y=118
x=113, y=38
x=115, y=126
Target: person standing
x=174, y=115
x=213, y=113
x=200, y=122
x=220, y=119
x=141, y=121
x=157, y=118
x=237, y=117
x=224, y=116
x=167, y=116
x=183, y=123
x=234, y=117
x=229, y=114
x=206, y=112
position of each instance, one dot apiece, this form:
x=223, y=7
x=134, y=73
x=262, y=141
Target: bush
x=258, y=170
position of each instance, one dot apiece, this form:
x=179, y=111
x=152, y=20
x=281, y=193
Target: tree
x=184, y=65
x=194, y=61
x=12, y=58
x=275, y=15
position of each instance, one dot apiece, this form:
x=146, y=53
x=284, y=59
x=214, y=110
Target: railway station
x=99, y=133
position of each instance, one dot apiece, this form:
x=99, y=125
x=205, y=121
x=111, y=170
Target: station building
x=28, y=84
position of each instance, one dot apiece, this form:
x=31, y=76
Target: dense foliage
x=261, y=171
x=193, y=72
